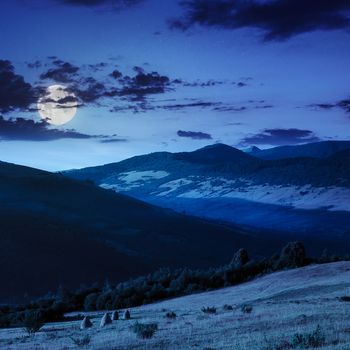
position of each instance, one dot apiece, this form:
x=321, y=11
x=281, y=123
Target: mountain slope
x=321, y=149
x=56, y=230
x=283, y=304
x=305, y=195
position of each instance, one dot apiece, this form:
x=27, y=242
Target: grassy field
x=295, y=309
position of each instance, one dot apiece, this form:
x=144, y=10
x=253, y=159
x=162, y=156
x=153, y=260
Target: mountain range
x=322, y=149
x=188, y=209
x=303, y=190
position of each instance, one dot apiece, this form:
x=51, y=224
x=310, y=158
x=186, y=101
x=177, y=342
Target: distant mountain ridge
x=220, y=181
x=322, y=149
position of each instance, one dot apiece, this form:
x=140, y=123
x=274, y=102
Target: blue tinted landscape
x=174, y=174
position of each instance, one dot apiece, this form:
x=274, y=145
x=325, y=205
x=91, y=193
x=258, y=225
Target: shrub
x=32, y=322
x=240, y=258
x=292, y=255
x=228, y=307
x=314, y=339
x=209, y=310
x=90, y=302
x=145, y=330
x=344, y=298
x=247, y=309
x=81, y=341
x=171, y=315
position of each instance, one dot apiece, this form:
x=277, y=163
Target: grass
x=314, y=339
x=171, y=315
x=209, y=310
x=32, y=322
x=81, y=341
x=247, y=309
x=145, y=330
x=289, y=307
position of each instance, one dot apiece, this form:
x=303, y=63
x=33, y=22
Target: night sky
x=168, y=75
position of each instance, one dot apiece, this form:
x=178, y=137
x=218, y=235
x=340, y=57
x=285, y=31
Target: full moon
x=58, y=106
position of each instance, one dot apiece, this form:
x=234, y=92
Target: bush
x=247, y=309
x=344, y=298
x=209, y=310
x=83, y=341
x=228, y=307
x=240, y=258
x=171, y=315
x=292, y=255
x=32, y=322
x=145, y=330
x=314, y=339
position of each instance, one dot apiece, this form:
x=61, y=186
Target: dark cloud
x=141, y=85
x=195, y=135
x=228, y=108
x=29, y=130
x=97, y=66
x=36, y=64
x=89, y=90
x=133, y=92
x=197, y=104
x=343, y=104
x=15, y=93
x=276, y=137
x=64, y=72
x=113, y=140
x=116, y=74
x=198, y=83
x=278, y=20
x=116, y=4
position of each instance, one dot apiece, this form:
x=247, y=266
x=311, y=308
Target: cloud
x=115, y=4
x=29, y=130
x=15, y=93
x=34, y=65
x=343, y=104
x=195, y=135
x=129, y=92
x=113, y=140
x=116, y=74
x=278, y=20
x=139, y=86
x=88, y=89
x=64, y=72
x=277, y=137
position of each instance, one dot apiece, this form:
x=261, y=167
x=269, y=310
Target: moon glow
x=58, y=106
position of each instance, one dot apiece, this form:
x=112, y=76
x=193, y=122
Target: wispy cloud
x=276, y=137
x=195, y=135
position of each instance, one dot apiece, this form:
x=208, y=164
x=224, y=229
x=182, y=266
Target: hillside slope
x=283, y=304
x=56, y=230
x=220, y=182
